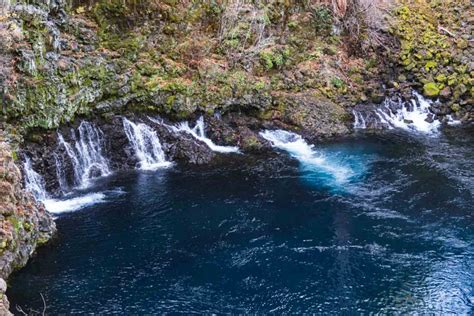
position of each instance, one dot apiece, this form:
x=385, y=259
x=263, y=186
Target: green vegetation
x=437, y=57
x=178, y=57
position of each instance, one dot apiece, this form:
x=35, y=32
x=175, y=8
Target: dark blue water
x=272, y=234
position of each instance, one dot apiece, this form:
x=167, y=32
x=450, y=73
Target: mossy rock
x=430, y=89
x=441, y=78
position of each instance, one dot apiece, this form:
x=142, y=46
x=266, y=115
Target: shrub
x=322, y=20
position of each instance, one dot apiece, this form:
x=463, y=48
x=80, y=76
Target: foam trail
x=198, y=132
x=58, y=206
x=146, y=144
x=298, y=148
x=73, y=204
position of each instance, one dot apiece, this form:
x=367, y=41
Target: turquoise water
x=373, y=224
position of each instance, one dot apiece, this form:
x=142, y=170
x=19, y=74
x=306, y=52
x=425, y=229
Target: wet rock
x=189, y=150
x=377, y=97
x=445, y=93
x=430, y=118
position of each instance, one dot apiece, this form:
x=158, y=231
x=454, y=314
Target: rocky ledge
x=24, y=223
x=311, y=117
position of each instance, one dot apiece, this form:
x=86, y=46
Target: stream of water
x=379, y=223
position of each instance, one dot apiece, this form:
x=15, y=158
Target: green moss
x=428, y=53
x=259, y=85
x=16, y=223
x=251, y=142
x=431, y=89
x=322, y=20
x=430, y=65
x=42, y=240
x=337, y=82
x=441, y=78
x=455, y=107
x=274, y=58
x=28, y=226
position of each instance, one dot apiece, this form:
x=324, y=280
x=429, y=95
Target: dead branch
x=445, y=30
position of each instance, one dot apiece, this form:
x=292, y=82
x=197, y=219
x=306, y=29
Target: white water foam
x=452, y=121
x=57, y=206
x=146, y=144
x=298, y=148
x=412, y=116
x=198, y=132
x=34, y=184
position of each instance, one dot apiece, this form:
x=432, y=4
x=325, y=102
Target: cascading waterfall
x=88, y=162
x=34, y=183
x=359, y=120
x=327, y=168
x=198, y=132
x=86, y=155
x=146, y=144
x=414, y=115
x=63, y=186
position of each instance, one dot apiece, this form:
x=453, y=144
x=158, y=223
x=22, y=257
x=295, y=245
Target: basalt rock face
x=24, y=223
x=46, y=150
x=314, y=117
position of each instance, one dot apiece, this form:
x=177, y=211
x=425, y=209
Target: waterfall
x=414, y=115
x=146, y=145
x=359, y=120
x=198, y=132
x=330, y=168
x=34, y=183
x=452, y=122
x=63, y=186
x=86, y=155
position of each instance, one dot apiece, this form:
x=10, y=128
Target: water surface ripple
x=268, y=234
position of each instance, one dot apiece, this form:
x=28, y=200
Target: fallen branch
x=442, y=29
x=44, y=304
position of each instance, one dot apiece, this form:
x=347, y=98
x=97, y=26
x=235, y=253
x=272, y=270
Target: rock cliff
x=24, y=223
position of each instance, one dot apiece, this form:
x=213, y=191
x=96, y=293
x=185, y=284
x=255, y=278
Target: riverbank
x=25, y=224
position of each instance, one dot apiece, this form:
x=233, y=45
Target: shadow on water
x=273, y=234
